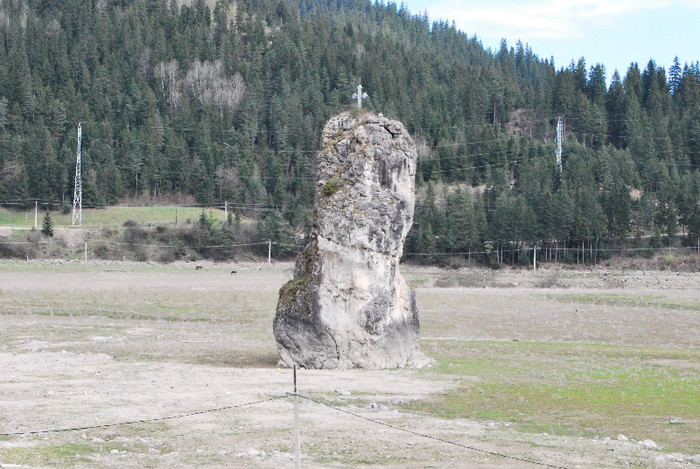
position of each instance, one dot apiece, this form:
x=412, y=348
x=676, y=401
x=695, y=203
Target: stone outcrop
x=347, y=305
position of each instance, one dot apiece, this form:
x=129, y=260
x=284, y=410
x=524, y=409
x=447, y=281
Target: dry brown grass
x=550, y=366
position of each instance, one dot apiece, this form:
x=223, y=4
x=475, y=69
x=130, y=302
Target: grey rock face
x=347, y=305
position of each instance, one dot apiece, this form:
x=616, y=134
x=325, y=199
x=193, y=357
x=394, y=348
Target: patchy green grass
x=141, y=311
x=635, y=382
x=574, y=389
x=59, y=455
x=618, y=299
x=165, y=305
x=114, y=216
x=41, y=267
x=72, y=453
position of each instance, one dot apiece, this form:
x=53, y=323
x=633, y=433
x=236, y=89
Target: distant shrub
x=34, y=236
x=177, y=247
x=10, y=248
x=134, y=234
x=105, y=251
x=140, y=254
x=166, y=256
x=331, y=187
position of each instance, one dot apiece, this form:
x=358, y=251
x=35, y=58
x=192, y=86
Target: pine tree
x=144, y=82
x=47, y=225
x=675, y=73
x=615, y=107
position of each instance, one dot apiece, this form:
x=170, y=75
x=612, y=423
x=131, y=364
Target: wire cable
x=134, y=422
x=430, y=437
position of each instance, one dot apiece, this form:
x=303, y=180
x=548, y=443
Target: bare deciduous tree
x=208, y=84
x=205, y=81
x=170, y=82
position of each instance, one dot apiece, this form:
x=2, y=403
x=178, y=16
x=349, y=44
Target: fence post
x=534, y=259
x=86, y=252
x=269, y=255
x=297, y=445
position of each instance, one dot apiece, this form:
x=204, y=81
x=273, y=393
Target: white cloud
x=542, y=19
x=610, y=32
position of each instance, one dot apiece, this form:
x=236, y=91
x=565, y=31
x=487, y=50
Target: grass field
x=583, y=374
x=112, y=216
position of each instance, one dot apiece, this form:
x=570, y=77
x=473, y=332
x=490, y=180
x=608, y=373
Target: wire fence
x=564, y=250
x=501, y=253
x=93, y=243
x=430, y=437
x=421, y=434
x=502, y=256
x=142, y=421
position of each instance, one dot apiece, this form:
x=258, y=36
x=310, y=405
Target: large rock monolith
x=347, y=305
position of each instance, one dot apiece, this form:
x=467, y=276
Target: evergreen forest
x=215, y=102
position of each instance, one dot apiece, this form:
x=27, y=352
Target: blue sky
x=611, y=32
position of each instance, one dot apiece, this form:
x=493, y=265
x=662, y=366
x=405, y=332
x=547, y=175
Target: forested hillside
x=225, y=101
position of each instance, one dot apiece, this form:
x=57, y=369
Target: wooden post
x=269, y=251
x=86, y=252
x=36, y=214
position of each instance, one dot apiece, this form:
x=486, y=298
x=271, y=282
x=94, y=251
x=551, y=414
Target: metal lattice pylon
x=78, y=191
x=560, y=137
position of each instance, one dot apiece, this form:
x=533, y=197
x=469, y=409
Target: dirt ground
x=137, y=365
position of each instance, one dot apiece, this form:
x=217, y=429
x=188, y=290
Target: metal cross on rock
x=359, y=96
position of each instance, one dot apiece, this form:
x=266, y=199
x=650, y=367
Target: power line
x=220, y=246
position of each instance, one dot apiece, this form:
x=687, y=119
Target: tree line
x=225, y=101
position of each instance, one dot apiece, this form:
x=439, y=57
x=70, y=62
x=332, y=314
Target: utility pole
x=78, y=191
x=560, y=137
x=534, y=258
